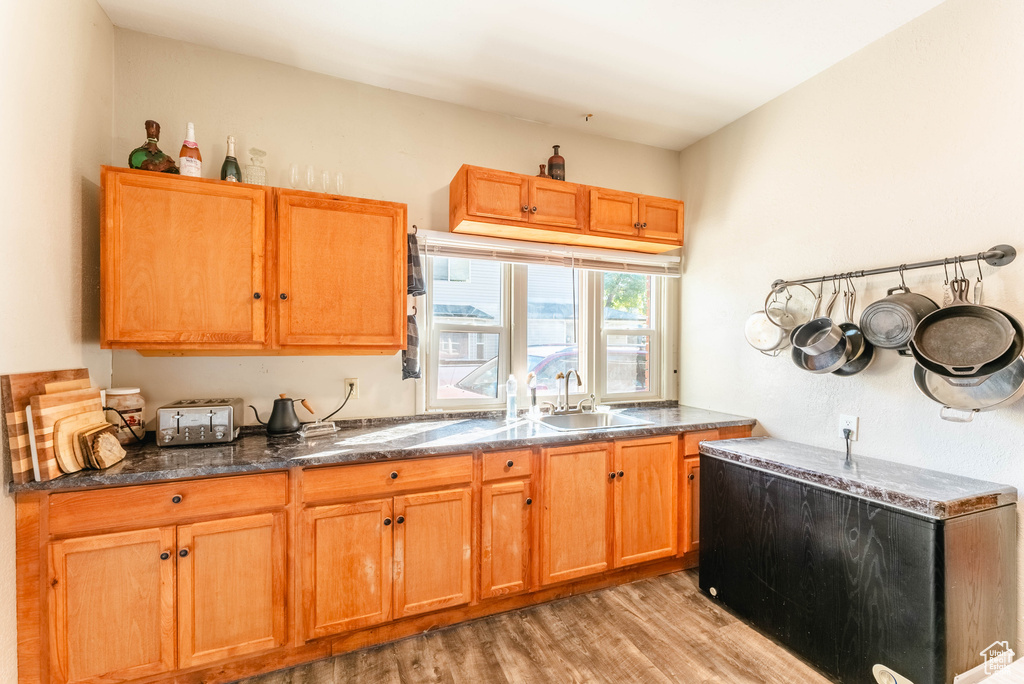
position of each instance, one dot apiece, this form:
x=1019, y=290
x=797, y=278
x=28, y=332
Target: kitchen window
x=545, y=319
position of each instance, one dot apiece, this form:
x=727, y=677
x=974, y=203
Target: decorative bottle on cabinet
x=149, y=157
x=230, y=170
x=189, y=158
x=556, y=165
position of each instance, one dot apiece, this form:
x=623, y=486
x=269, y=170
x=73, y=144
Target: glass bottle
x=149, y=157
x=556, y=165
x=256, y=172
x=542, y=174
x=189, y=157
x=230, y=170
x=510, y=399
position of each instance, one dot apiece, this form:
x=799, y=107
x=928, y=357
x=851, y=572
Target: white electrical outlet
x=354, y=384
x=851, y=423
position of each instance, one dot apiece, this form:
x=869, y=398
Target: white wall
x=56, y=83
x=910, y=149
x=390, y=146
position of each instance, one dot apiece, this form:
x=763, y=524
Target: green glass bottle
x=149, y=157
x=230, y=170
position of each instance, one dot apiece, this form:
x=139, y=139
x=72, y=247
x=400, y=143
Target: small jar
x=129, y=401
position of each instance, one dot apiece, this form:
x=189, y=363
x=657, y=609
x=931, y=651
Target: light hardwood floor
x=656, y=630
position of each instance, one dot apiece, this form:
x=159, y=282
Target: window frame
x=512, y=342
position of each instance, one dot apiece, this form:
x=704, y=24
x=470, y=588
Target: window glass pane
x=466, y=291
x=629, y=363
x=627, y=301
x=467, y=365
x=552, y=310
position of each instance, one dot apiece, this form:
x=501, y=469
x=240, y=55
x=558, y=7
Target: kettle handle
x=305, y=405
x=257, y=414
x=901, y=288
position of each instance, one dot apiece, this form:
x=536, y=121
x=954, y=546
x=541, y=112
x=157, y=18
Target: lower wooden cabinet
x=346, y=562
x=505, y=538
x=433, y=551
x=111, y=600
x=646, y=500
x=576, y=521
x=231, y=587
x=691, y=505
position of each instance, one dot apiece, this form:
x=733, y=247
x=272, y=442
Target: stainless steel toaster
x=198, y=421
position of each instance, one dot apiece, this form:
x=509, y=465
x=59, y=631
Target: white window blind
x=456, y=246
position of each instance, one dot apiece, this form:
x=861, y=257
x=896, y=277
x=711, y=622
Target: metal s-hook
x=945, y=271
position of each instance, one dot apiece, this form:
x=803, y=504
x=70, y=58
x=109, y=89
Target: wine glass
x=310, y=178
x=325, y=180
x=339, y=182
x=293, y=175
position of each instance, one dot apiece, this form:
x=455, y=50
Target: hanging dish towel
x=411, y=355
x=417, y=286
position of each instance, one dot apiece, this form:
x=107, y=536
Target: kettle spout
x=257, y=414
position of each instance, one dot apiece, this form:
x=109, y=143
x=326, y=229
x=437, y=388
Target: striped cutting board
x=47, y=409
x=16, y=391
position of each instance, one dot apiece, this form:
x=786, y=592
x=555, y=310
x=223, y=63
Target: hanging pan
x=962, y=338
x=959, y=404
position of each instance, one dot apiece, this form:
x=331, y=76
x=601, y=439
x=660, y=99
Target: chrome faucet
x=579, y=383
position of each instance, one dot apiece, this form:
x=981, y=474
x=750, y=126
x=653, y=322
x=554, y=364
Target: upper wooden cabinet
x=337, y=259
x=511, y=205
x=182, y=262
x=194, y=266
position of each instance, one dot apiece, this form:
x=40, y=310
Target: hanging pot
x=962, y=338
x=983, y=373
x=889, y=323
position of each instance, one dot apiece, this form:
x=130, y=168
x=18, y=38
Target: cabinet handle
x=526, y=207
x=622, y=474
x=636, y=225
x=176, y=499
x=611, y=476
x=643, y=225
x=529, y=501
x=400, y=519
x=533, y=210
x=164, y=555
x=183, y=553
x=690, y=476
x=387, y=521
x=284, y=296
x=394, y=475
x=508, y=464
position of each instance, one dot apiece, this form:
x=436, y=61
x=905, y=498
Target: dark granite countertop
x=369, y=440
x=925, y=492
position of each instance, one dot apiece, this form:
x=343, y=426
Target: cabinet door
x=576, y=509
x=182, y=262
x=111, y=601
x=231, y=587
x=433, y=559
x=504, y=538
x=646, y=505
x=661, y=219
x=497, y=194
x=555, y=203
x=341, y=272
x=691, y=505
x=613, y=213
x=346, y=566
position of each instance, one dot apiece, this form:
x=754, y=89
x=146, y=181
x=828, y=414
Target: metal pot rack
x=1000, y=255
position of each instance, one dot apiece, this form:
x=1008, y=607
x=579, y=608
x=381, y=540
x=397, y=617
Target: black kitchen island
x=859, y=568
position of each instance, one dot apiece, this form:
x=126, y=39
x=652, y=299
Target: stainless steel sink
x=578, y=422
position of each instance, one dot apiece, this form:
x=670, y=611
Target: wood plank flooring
x=656, y=630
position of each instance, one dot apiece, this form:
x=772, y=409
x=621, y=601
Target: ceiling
x=659, y=72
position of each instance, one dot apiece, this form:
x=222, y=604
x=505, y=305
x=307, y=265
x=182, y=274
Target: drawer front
x=164, y=503
x=692, y=440
x=381, y=479
x=496, y=465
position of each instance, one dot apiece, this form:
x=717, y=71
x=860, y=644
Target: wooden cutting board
x=16, y=391
x=47, y=409
x=64, y=431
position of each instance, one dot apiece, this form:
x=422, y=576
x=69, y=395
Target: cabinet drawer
x=382, y=479
x=496, y=465
x=154, y=504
